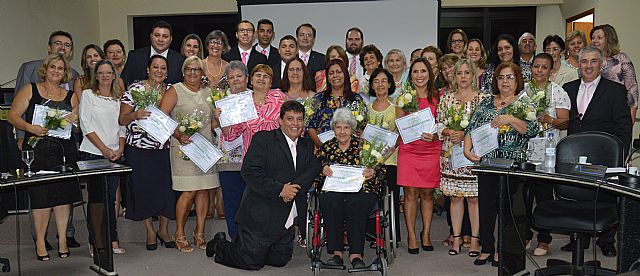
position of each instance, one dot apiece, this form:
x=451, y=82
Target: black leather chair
x=573, y=211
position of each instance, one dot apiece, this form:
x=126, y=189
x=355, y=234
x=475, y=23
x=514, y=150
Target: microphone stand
x=61, y=168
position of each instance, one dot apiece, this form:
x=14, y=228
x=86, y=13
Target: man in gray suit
x=59, y=42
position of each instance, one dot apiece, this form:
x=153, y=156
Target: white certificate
x=159, y=125
x=373, y=133
x=237, y=109
x=413, y=125
x=326, y=136
x=485, y=139
x=458, y=160
x=40, y=112
x=345, y=179
x=228, y=145
x=201, y=152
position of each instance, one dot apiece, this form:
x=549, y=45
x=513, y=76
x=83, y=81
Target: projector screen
x=388, y=24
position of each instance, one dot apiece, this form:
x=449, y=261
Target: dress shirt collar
x=245, y=51
x=164, y=54
x=289, y=141
x=259, y=49
x=594, y=83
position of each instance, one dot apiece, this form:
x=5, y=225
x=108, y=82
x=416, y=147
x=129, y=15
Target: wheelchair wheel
x=310, y=227
x=385, y=267
x=389, y=233
x=316, y=271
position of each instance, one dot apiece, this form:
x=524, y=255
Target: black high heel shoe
x=44, y=258
x=167, y=244
x=479, y=261
x=63, y=255
x=474, y=254
x=452, y=251
x=153, y=246
x=425, y=247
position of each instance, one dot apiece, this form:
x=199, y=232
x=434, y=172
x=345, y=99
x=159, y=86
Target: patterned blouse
x=511, y=144
x=321, y=118
x=330, y=154
x=268, y=119
x=136, y=136
x=619, y=68
x=485, y=79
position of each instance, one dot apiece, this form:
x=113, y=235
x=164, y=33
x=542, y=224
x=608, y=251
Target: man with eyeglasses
x=314, y=61
x=527, y=47
x=60, y=42
x=136, y=67
x=244, y=51
x=265, y=34
x=287, y=51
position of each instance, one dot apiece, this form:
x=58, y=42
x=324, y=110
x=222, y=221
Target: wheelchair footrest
x=322, y=265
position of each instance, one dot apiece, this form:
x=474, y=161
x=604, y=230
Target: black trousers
x=515, y=222
x=252, y=249
x=351, y=209
x=542, y=191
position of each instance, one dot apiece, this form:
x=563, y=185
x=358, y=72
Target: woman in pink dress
x=419, y=161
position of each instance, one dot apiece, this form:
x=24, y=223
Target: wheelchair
x=382, y=238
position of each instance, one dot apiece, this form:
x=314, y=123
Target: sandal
x=448, y=242
x=198, y=241
x=183, y=245
x=474, y=253
x=466, y=241
x=453, y=251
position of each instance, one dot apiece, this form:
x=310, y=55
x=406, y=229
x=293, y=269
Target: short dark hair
x=265, y=21
x=291, y=105
x=60, y=33
x=245, y=21
x=156, y=57
x=494, y=59
x=308, y=25
x=373, y=50
x=543, y=56
x=288, y=37
x=112, y=42
x=374, y=74
x=162, y=24
x=516, y=71
x=553, y=38
x=354, y=29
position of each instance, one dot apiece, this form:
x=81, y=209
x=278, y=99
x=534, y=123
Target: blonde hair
x=472, y=68
x=193, y=59
x=51, y=59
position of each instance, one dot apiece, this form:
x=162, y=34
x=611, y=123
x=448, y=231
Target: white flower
x=182, y=128
x=464, y=123
x=400, y=104
x=516, y=104
x=359, y=118
x=531, y=116
x=209, y=99
x=465, y=117
x=407, y=96
x=199, y=124
x=51, y=113
x=376, y=154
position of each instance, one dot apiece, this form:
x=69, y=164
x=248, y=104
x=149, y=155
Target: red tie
x=352, y=65
x=244, y=58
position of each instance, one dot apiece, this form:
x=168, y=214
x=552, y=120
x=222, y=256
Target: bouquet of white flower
x=144, y=97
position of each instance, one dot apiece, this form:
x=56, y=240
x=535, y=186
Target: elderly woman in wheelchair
x=350, y=209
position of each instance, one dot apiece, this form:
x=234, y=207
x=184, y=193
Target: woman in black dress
x=48, y=150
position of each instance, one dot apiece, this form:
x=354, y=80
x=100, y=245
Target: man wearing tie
x=265, y=35
x=245, y=52
x=136, y=67
x=277, y=166
x=287, y=49
x=353, y=45
x=314, y=61
x=598, y=104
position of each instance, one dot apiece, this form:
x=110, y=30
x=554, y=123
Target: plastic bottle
x=550, y=151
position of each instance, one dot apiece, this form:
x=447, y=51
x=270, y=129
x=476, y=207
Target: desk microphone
x=63, y=167
x=563, y=124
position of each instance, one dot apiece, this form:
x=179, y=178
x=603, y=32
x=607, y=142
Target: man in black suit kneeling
x=278, y=167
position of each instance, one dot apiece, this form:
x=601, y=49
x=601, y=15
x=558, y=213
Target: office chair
x=573, y=211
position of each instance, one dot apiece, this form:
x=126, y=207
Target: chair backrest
x=600, y=148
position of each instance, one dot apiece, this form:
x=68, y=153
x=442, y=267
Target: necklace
x=46, y=90
x=219, y=68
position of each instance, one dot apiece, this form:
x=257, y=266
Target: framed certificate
x=413, y=125
x=39, y=114
x=236, y=109
x=485, y=139
x=373, y=133
x=159, y=125
x=345, y=179
x=201, y=152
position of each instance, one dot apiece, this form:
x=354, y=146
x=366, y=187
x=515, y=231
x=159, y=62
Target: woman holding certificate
x=149, y=192
x=48, y=151
x=454, y=112
x=515, y=122
x=338, y=94
x=187, y=104
x=419, y=160
x=352, y=208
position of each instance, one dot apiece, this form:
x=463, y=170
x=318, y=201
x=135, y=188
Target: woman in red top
x=418, y=161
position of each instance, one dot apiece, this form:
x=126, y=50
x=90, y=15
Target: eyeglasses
x=192, y=70
x=215, y=42
x=295, y=69
x=457, y=41
x=63, y=44
x=382, y=81
x=509, y=77
x=245, y=31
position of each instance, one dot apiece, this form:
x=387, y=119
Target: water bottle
x=550, y=152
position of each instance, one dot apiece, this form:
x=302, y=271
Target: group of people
x=302, y=97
